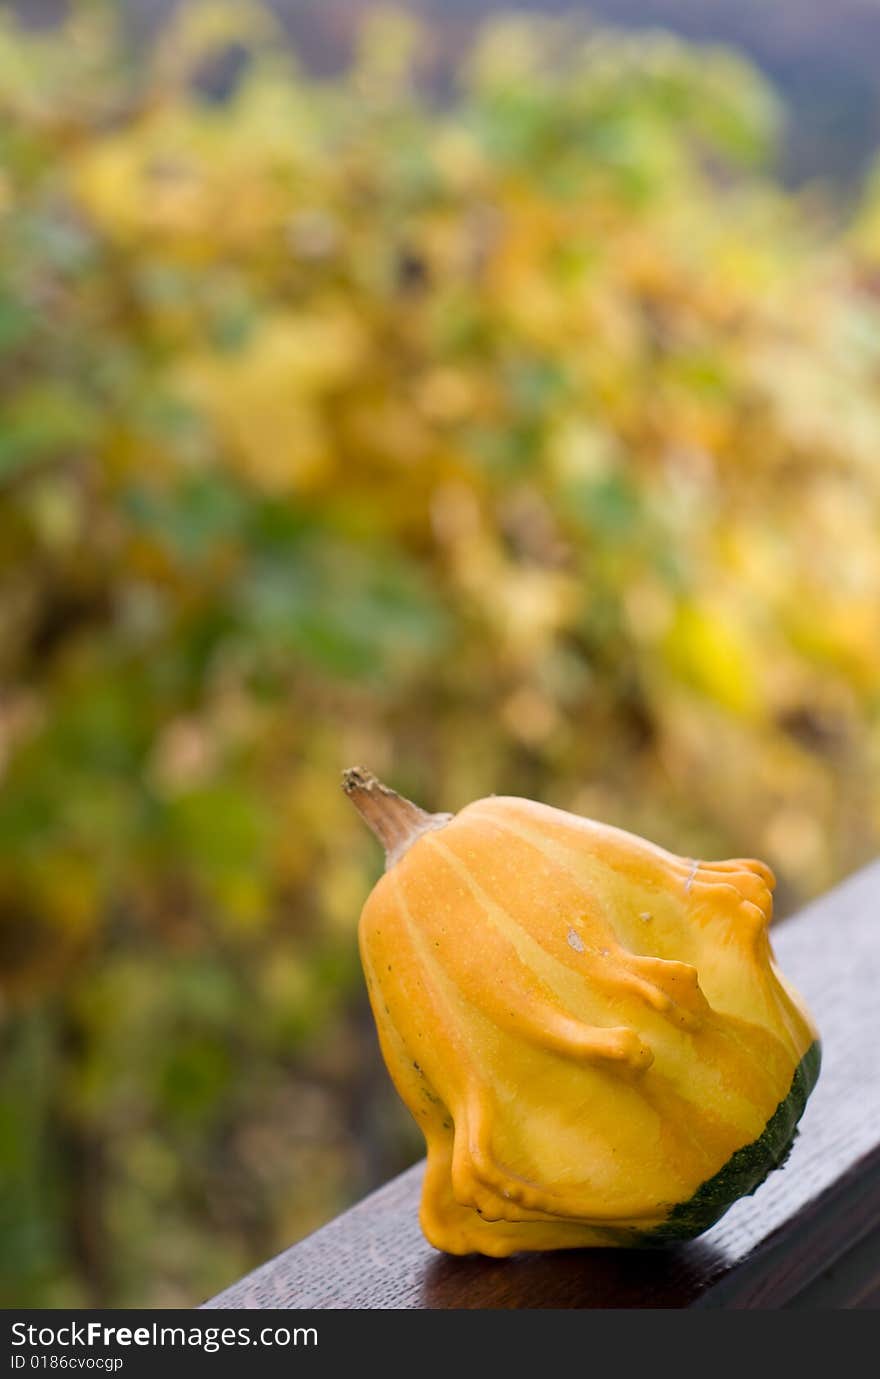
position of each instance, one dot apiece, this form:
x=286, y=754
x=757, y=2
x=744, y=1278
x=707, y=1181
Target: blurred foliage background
x=522, y=441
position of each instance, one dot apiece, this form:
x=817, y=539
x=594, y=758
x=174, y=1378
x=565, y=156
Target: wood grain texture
x=765, y=1253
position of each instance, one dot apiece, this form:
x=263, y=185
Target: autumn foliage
x=521, y=440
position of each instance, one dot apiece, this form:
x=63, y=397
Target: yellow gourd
x=590, y=1031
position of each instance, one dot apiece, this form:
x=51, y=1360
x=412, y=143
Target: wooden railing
x=809, y=1237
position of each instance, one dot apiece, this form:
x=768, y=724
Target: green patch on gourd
x=745, y=1170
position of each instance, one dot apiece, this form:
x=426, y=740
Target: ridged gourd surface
x=586, y=1027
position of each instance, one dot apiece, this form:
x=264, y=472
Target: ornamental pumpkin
x=590, y=1031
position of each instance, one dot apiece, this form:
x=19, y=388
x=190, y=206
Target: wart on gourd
x=621, y=1082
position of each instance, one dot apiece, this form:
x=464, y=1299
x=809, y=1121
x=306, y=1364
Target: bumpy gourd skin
x=586, y=1027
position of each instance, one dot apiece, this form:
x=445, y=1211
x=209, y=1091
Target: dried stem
x=396, y=821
